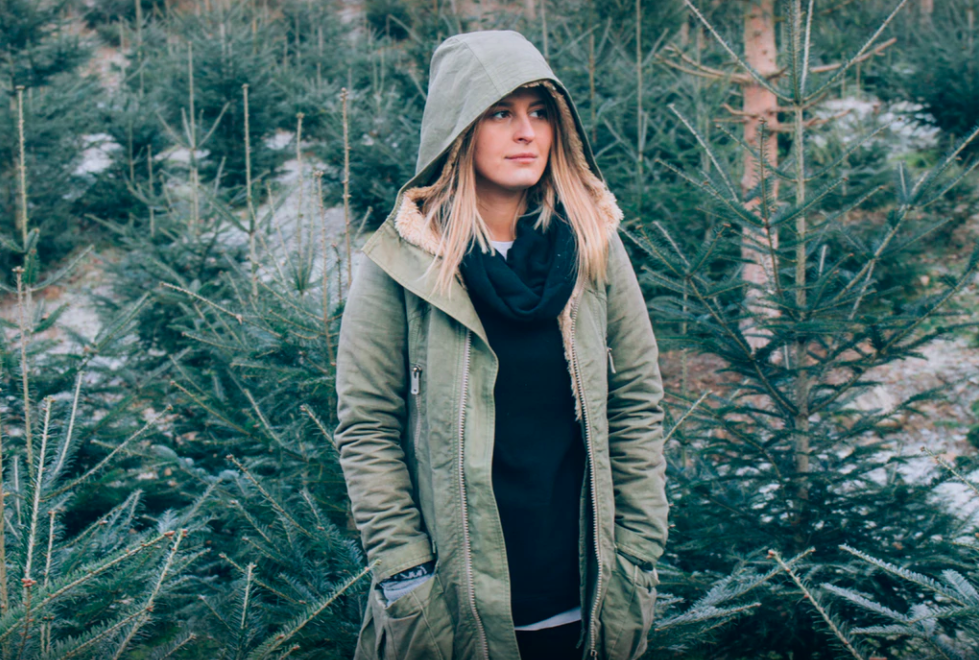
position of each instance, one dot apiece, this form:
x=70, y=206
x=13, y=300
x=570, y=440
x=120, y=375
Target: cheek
x=545, y=139
x=485, y=156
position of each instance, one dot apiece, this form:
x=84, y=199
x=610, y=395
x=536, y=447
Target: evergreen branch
x=36, y=495
x=837, y=630
x=653, y=250
x=148, y=606
x=8, y=623
x=204, y=300
x=700, y=139
x=847, y=153
x=933, y=309
x=319, y=424
x=892, y=629
x=866, y=603
x=243, y=626
x=860, y=54
x=285, y=300
x=313, y=509
x=214, y=126
x=686, y=414
x=273, y=553
x=211, y=410
x=669, y=239
x=960, y=584
x=271, y=500
x=748, y=356
x=926, y=181
x=790, y=213
x=707, y=251
x=292, y=628
x=953, y=183
x=74, y=647
x=749, y=440
x=701, y=70
x=169, y=650
x=108, y=458
x=761, y=80
x=264, y=421
x=706, y=613
x=191, y=513
x=908, y=575
x=215, y=613
x=895, y=226
x=706, y=185
x=263, y=585
x=254, y=523
x=221, y=346
x=761, y=162
x=60, y=462
x=62, y=272
x=951, y=468
x=111, y=519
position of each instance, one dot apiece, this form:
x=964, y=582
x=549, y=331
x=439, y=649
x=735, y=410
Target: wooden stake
x=22, y=169
x=346, y=181
x=252, y=257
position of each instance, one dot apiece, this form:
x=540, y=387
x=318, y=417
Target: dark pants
x=556, y=643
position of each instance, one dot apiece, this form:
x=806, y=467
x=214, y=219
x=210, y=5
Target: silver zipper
x=416, y=388
x=416, y=380
x=611, y=362
x=467, y=547
x=591, y=462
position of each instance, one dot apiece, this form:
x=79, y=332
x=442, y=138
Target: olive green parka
x=415, y=381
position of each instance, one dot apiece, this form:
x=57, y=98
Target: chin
x=521, y=183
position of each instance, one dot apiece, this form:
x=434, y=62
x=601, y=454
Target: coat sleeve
x=635, y=415
x=371, y=408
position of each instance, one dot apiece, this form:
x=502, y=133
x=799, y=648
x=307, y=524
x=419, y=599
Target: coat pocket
x=416, y=626
x=627, y=613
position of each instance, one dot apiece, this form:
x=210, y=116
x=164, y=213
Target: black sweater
x=538, y=464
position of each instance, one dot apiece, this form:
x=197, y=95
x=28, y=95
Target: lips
x=523, y=158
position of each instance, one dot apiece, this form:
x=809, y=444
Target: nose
x=523, y=130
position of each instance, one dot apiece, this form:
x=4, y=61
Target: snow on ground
x=297, y=222
x=907, y=126
x=97, y=155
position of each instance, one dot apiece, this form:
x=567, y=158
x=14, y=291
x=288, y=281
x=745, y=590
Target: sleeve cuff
x=637, y=546
x=392, y=562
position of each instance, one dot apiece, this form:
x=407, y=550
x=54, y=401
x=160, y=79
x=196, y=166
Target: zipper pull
x=416, y=380
x=611, y=362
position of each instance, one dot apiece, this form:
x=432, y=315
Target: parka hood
x=469, y=73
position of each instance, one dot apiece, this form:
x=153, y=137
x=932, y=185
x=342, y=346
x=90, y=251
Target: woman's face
x=513, y=143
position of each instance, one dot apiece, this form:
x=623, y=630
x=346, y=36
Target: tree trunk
x=759, y=106
x=927, y=8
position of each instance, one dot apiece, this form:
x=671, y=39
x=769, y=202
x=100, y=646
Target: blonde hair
x=450, y=204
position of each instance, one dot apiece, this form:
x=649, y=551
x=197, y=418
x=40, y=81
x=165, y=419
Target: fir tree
x=47, y=108
x=777, y=456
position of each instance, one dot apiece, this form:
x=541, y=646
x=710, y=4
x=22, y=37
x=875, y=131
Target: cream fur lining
x=411, y=226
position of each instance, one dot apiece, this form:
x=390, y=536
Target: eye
x=499, y=114
x=540, y=113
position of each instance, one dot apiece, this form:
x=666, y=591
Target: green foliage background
x=170, y=484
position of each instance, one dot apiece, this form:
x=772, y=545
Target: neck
x=500, y=210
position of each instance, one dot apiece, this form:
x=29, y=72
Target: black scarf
x=536, y=279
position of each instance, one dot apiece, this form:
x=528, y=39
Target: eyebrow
x=508, y=104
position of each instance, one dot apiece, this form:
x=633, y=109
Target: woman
x=500, y=430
